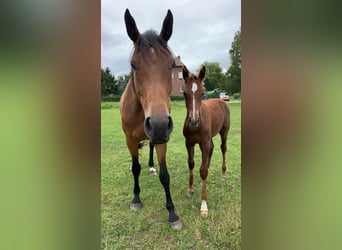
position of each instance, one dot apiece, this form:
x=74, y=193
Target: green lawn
x=148, y=228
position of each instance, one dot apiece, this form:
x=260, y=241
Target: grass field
x=148, y=228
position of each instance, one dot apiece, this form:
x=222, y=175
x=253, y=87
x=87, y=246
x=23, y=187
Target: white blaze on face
x=193, y=89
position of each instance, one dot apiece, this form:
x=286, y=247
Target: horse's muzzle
x=194, y=122
x=158, y=129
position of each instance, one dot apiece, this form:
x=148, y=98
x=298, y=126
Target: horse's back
x=219, y=113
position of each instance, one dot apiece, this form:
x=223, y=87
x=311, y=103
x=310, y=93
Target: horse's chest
x=193, y=135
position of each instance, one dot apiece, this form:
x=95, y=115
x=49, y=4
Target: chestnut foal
x=204, y=120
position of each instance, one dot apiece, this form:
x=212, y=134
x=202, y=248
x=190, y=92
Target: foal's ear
x=166, y=30
x=201, y=74
x=185, y=72
x=131, y=27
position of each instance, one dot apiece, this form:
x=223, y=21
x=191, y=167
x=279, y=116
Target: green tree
x=234, y=72
x=122, y=82
x=214, y=76
x=108, y=83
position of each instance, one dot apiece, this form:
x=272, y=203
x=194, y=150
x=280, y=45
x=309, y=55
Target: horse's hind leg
x=224, y=133
x=153, y=171
x=164, y=177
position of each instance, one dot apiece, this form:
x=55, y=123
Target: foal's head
x=193, y=93
x=152, y=63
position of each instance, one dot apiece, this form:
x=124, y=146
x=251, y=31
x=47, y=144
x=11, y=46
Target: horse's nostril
x=170, y=124
x=148, y=126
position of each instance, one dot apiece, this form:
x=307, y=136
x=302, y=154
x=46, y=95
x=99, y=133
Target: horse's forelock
x=151, y=40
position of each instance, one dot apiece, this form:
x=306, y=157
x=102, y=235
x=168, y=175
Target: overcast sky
x=203, y=30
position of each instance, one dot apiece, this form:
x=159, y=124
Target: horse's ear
x=131, y=27
x=185, y=72
x=201, y=74
x=166, y=30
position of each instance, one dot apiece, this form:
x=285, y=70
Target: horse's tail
x=142, y=144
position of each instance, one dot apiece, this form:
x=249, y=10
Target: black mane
x=150, y=39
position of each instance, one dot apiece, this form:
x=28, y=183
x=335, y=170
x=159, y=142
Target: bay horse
x=204, y=120
x=145, y=103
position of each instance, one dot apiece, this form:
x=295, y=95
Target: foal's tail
x=142, y=144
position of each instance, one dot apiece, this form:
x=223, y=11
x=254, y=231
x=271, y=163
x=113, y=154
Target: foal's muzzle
x=158, y=129
x=194, y=121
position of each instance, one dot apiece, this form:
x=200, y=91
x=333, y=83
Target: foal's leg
x=153, y=171
x=136, y=168
x=224, y=133
x=205, y=148
x=191, y=165
x=164, y=177
x=211, y=150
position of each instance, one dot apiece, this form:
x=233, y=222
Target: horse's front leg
x=132, y=145
x=191, y=165
x=164, y=177
x=205, y=149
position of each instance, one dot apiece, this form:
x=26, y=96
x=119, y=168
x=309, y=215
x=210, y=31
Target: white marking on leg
x=204, y=206
x=193, y=89
x=153, y=171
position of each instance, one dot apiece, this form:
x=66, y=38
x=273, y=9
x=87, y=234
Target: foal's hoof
x=135, y=206
x=204, y=213
x=177, y=225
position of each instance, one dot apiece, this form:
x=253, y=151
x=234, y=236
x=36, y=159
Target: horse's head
x=152, y=63
x=193, y=93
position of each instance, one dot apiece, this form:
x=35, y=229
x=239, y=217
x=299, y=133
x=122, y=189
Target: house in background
x=177, y=77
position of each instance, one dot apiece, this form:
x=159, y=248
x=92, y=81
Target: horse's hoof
x=204, y=213
x=177, y=225
x=135, y=206
x=190, y=193
x=153, y=172
x=223, y=177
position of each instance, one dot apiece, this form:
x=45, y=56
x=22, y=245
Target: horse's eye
x=134, y=66
x=172, y=65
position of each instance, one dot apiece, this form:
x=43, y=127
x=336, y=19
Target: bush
x=237, y=96
x=214, y=95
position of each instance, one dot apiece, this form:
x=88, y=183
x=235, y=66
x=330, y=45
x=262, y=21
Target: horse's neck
x=134, y=102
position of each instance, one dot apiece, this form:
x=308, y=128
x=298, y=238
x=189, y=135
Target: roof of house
x=178, y=62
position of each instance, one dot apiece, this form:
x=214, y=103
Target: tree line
x=229, y=81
